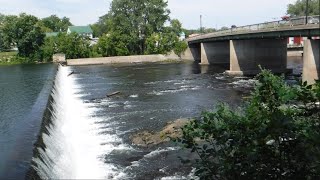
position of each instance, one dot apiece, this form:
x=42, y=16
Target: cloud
x=215, y=13
x=72, y=1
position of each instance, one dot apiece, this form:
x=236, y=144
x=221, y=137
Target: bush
x=106, y=45
x=275, y=136
x=72, y=45
x=180, y=47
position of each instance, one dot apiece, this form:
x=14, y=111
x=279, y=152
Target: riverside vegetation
x=276, y=135
x=126, y=33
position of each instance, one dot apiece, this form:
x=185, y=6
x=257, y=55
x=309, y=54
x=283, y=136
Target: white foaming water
x=74, y=148
x=171, y=91
x=244, y=83
x=153, y=154
x=159, y=151
x=190, y=176
x=134, y=96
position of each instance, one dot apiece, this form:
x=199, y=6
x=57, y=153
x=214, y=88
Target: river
x=88, y=133
x=24, y=92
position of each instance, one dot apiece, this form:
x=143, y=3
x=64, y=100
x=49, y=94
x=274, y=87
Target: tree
x=166, y=40
x=49, y=47
x=176, y=26
x=161, y=43
x=2, y=18
x=54, y=24
x=106, y=45
x=299, y=8
x=72, y=45
x=24, y=32
x=180, y=47
x=197, y=31
x=209, y=30
x=27, y=35
x=137, y=20
x=224, y=28
x=275, y=136
x=102, y=27
x=7, y=32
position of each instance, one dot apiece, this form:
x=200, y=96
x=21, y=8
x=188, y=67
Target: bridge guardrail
x=267, y=25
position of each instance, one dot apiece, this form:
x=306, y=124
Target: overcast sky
x=215, y=13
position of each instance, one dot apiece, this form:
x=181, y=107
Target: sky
x=215, y=13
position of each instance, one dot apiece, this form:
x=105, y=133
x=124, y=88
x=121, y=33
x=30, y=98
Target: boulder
x=148, y=139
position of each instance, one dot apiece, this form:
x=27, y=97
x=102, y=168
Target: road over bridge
x=265, y=44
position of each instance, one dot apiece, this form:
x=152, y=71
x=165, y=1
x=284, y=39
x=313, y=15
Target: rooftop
x=81, y=29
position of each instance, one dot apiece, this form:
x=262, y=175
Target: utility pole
x=200, y=24
x=307, y=11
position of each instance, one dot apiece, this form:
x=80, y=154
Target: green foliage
x=7, y=57
x=2, y=18
x=7, y=32
x=166, y=41
x=106, y=46
x=49, y=48
x=197, y=31
x=23, y=32
x=54, y=24
x=29, y=36
x=276, y=135
x=180, y=47
x=299, y=8
x=137, y=27
x=161, y=43
x=176, y=26
x=102, y=26
x=72, y=45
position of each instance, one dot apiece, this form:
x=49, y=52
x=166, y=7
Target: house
x=82, y=30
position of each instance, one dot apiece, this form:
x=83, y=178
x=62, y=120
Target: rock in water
x=148, y=138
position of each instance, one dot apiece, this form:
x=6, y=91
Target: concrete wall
x=311, y=60
x=215, y=53
x=118, y=59
x=247, y=55
x=57, y=58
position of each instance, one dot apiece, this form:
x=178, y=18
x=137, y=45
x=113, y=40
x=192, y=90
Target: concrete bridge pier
x=311, y=60
x=193, y=52
x=215, y=53
x=247, y=55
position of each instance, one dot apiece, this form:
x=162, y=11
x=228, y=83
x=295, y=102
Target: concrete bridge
x=265, y=44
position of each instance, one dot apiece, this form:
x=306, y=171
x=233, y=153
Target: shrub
x=275, y=136
x=72, y=45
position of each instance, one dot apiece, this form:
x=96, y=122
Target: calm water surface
x=24, y=91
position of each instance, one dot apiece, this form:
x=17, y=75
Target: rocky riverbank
x=148, y=139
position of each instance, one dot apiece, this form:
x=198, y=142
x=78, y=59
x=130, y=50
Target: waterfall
x=73, y=147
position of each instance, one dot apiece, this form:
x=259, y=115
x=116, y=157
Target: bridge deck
x=308, y=30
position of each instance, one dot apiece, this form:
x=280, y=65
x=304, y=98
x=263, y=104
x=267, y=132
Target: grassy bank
x=12, y=58
x=7, y=58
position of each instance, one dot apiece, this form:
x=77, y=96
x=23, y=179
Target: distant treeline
x=120, y=32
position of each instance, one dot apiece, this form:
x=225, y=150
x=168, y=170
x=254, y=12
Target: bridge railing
x=270, y=25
